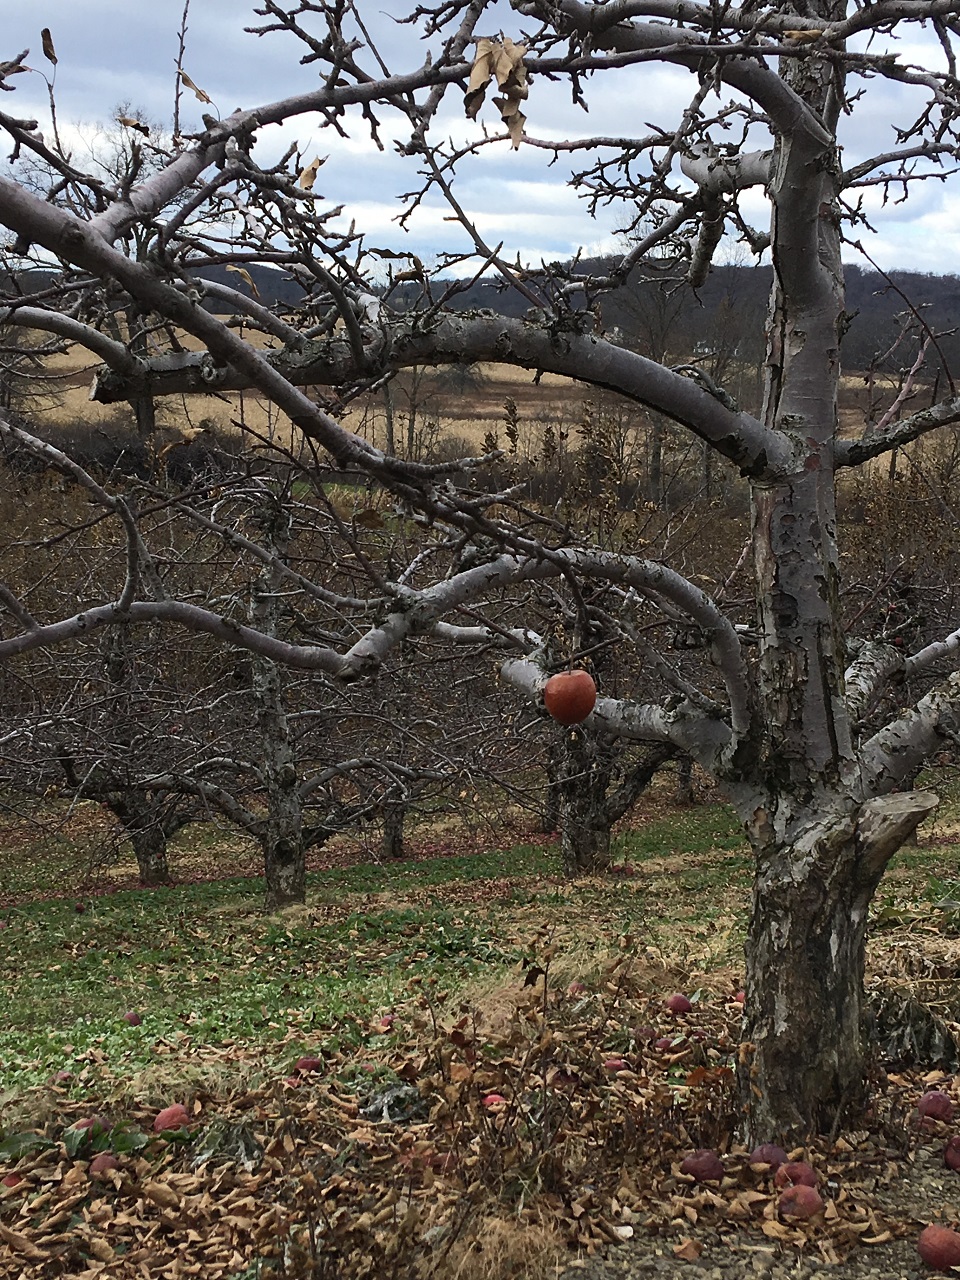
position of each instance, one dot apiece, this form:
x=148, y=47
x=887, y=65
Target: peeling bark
x=805, y=1036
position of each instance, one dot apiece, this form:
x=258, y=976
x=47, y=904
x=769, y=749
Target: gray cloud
x=112, y=51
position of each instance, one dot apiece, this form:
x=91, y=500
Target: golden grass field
x=440, y=408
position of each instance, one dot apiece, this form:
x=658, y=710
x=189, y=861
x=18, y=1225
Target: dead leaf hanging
x=200, y=94
x=46, y=41
x=308, y=176
x=247, y=278
x=129, y=123
x=500, y=60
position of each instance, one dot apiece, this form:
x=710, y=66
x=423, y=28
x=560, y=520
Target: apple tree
x=778, y=709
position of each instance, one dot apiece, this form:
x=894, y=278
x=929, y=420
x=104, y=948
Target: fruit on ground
x=796, y=1173
x=939, y=1247
x=570, y=696
x=174, y=1117
x=769, y=1153
x=132, y=1019
x=493, y=1100
x=304, y=1066
x=12, y=1180
x=96, y=1124
x=679, y=1004
x=103, y=1163
x=951, y=1154
x=703, y=1166
x=616, y=1064
x=800, y=1201
x=936, y=1106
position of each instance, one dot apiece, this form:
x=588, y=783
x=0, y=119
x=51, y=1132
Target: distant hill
x=662, y=317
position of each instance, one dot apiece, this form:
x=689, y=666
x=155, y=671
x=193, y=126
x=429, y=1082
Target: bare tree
x=781, y=721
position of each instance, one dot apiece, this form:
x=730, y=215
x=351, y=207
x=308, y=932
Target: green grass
x=207, y=971
x=201, y=961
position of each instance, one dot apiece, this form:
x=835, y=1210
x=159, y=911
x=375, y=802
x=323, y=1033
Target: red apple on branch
x=570, y=696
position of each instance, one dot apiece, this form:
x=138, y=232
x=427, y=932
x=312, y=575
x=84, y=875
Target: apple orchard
x=814, y=726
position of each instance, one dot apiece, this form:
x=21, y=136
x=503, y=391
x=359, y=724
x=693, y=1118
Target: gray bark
x=392, y=814
x=804, y=1034
x=281, y=833
x=150, y=849
x=586, y=765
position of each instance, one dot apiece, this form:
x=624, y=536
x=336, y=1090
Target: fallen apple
x=616, y=1064
x=951, y=1154
x=12, y=1180
x=95, y=1124
x=570, y=696
x=132, y=1019
x=493, y=1100
x=939, y=1247
x=303, y=1066
x=703, y=1166
x=577, y=988
x=936, y=1105
x=102, y=1164
x=796, y=1173
x=679, y=1004
x=768, y=1153
x=800, y=1201
x=666, y=1043
x=173, y=1117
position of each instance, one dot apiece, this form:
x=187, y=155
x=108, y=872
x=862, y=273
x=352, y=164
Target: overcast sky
x=115, y=52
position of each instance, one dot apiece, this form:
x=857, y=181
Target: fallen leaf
x=688, y=1250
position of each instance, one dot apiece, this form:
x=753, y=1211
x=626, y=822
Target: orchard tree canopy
x=783, y=713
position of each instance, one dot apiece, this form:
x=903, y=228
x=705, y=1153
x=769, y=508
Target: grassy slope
x=200, y=960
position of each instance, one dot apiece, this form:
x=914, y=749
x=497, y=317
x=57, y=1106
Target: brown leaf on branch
x=481, y=74
x=308, y=176
x=247, y=278
x=499, y=60
x=130, y=123
x=199, y=93
x=46, y=40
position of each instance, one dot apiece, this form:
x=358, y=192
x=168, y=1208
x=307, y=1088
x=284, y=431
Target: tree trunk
x=584, y=778
x=284, y=867
x=550, y=816
x=655, y=477
x=150, y=849
x=281, y=839
x=393, y=813
x=584, y=838
x=804, y=1035
x=685, y=793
